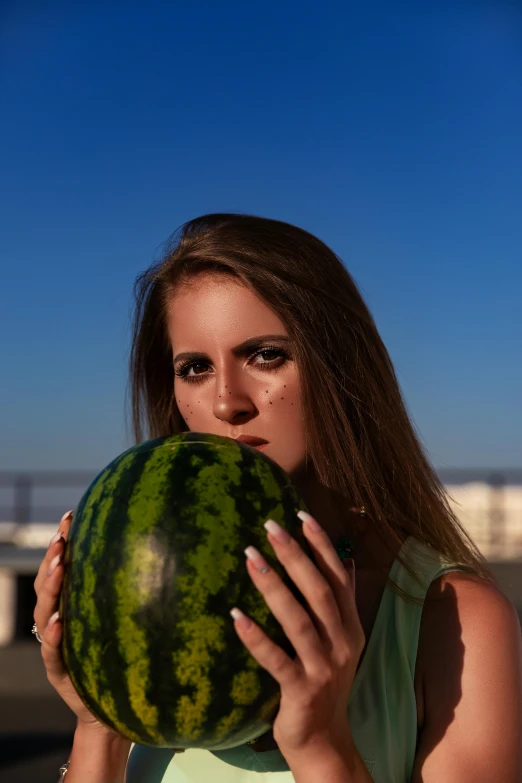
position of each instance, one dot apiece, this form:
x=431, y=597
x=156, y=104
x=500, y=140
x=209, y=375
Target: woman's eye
x=268, y=350
x=184, y=373
x=194, y=364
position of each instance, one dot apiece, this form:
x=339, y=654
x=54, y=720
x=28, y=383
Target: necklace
x=345, y=548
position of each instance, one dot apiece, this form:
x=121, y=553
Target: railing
x=22, y=485
x=488, y=502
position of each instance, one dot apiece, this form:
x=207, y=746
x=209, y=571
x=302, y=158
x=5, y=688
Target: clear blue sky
x=391, y=130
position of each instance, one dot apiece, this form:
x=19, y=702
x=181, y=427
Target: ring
x=34, y=630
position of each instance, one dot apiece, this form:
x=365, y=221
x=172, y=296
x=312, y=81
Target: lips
x=252, y=440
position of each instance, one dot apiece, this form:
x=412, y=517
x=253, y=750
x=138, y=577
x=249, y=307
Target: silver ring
x=34, y=630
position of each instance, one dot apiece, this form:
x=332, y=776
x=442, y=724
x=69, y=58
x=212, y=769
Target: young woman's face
x=226, y=389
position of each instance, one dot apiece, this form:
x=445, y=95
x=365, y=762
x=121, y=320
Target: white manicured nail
x=309, y=520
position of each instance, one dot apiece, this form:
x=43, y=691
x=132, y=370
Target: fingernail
x=257, y=558
x=54, y=562
x=308, y=519
x=66, y=515
x=277, y=531
x=55, y=538
x=53, y=618
x=240, y=618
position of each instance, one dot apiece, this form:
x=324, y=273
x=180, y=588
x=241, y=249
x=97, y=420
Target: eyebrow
x=243, y=349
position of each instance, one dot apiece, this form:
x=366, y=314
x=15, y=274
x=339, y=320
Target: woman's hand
x=328, y=640
x=47, y=586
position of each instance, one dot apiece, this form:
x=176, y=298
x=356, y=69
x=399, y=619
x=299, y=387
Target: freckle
x=270, y=402
x=285, y=385
x=282, y=398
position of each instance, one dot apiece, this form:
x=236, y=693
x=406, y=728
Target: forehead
x=219, y=305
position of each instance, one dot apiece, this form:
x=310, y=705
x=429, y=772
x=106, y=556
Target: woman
x=250, y=326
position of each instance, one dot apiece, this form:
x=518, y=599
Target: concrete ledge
x=31, y=535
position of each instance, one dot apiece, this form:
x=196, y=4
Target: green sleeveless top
x=381, y=706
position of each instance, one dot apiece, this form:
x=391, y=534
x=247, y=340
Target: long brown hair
x=359, y=435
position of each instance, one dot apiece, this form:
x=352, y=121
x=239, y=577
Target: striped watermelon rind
x=156, y=543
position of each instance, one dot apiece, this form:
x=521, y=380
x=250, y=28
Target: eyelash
x=182, y=370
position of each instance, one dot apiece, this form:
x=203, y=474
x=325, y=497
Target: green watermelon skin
x=154, y=561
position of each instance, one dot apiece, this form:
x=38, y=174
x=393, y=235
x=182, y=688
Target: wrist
x=96, y=729
x=327, y=759
x=99, y=755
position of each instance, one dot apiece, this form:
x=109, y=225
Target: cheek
x=280, y=397
x=188, y=399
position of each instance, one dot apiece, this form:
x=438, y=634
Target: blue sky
x=391, y=131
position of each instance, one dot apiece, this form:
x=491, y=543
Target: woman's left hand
x=328, y=640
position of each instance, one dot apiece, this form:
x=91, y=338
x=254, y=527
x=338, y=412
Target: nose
x=232, y=400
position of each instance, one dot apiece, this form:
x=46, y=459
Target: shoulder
x=446, y=585
x=460, y=610
x=467, y=593
x=470, y=656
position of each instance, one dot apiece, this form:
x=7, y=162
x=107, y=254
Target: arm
x=335, y=765
x=97, y=756
x=472, y=677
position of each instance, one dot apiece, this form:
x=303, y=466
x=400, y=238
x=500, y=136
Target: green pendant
x=344, y=547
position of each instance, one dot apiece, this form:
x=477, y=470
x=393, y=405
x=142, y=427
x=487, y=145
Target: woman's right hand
x=47, y=586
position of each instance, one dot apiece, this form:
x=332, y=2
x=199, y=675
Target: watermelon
x=154, y=562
